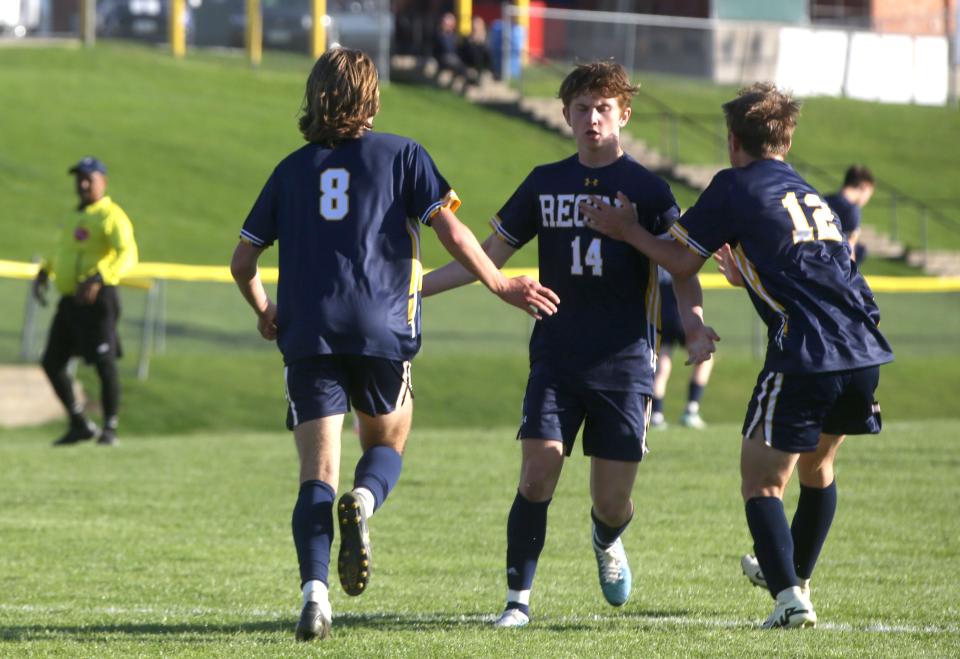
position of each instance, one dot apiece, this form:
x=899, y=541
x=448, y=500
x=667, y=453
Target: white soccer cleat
x=512, y=618
x=751, y=569
x=657, y=422
x=793, y=610
x=616, y=579
x=692, y=420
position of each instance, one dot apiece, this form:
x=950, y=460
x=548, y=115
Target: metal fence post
x=675, y=138
x=29, y=325
x=759, y=337
x=160, y=327
x=146, y=337
x=923, y=235
x=893, y=215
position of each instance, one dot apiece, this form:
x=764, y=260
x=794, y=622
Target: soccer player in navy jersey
x=591, y=363
x=773, y=233
x=671, y=334
x=858, y=187
x=346, y=210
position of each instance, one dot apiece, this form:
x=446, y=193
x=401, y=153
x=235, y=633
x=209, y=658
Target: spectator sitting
x=475, y=52
x=445, y=46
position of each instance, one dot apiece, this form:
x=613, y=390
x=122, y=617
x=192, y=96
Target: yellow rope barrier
x=217, y=273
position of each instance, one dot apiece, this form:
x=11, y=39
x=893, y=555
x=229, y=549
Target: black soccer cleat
x=354, y=561
x=315, y=621
x=78, y=432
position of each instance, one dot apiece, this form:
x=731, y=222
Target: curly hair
x=604, y=78
x=341, y=99
x=763, y=119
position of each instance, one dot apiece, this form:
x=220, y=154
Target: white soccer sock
x=693, y=407
x=366, y=500
x=519, y=596
x=314, y=591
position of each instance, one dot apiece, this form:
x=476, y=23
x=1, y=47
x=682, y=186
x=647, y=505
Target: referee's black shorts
x=85, y=330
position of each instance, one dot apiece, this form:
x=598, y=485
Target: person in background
x=847, y=203
x=671, y=334
x=474, y=51
x=97, y=248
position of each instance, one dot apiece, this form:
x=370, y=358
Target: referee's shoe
x=81, y=429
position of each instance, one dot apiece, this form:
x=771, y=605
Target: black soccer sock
x=604, y=536
x=811, y=524
x=378, y=470
x=772, y=543
x=109, y=388
x=694, y=392
x=526, y=534
x=313, y=529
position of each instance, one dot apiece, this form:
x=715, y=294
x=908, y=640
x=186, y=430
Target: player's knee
x=753, y=487
x=612, y=508
x=537, y=482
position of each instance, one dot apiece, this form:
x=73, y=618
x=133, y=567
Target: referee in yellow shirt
x=96, y=249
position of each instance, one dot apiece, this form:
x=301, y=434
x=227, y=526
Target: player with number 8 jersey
x=346, y=210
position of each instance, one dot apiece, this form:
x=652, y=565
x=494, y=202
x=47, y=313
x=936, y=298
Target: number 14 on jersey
x=592, y=258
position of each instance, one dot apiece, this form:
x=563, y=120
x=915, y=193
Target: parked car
x=147, y=20
x=287, y=24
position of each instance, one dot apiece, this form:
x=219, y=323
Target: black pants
x=88, y=331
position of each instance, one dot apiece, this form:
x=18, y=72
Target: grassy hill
x=189, y=144
x=909, y=147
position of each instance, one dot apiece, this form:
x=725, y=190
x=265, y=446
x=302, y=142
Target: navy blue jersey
x=604, y=333
x=847, y=212
x=820, y=314
x=347, y=220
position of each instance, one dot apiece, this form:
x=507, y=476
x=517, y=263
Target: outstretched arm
x=245, y=272
x=620, y=223
x=454, y=275
x=521, y=292
x=700, y=337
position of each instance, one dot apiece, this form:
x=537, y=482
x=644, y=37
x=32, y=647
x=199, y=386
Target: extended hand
x=701, y=344
x=727, y=265
x=611, y=221
x=267, y=322
x=87, y=291
x=529, y=295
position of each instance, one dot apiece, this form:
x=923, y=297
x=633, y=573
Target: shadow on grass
x=380, y=622
x=187, y=631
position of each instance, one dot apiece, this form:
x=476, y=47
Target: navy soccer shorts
x=614, y=422
x=671, y=327
x=793, y=409
x=85, y=330
x=326, y=385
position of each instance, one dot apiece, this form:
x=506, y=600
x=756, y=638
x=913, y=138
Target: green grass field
x=177, y=543
x=180, y=546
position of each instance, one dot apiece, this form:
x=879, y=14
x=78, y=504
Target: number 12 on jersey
x=334, y=202
x=592, y=258
x=823, y=227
